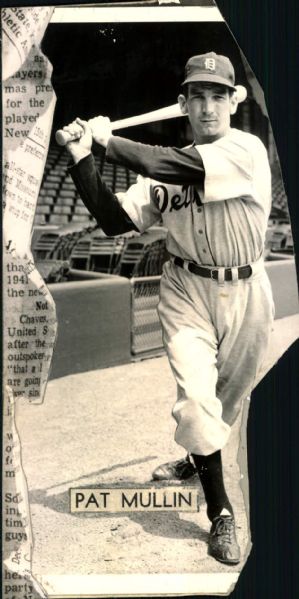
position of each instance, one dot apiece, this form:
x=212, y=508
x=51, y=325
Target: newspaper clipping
x=29, y=311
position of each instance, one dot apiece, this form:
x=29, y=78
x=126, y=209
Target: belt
x=244, y=272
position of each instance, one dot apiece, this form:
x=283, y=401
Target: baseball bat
x=169, y=112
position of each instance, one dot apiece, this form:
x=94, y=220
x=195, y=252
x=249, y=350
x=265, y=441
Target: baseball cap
x=210, y=67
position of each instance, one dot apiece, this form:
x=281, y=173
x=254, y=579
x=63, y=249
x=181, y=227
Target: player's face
x=209, y=107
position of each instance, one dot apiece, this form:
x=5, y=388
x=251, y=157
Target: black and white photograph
x=149, y=288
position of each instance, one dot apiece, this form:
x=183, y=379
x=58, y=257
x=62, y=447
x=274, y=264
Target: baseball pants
x=216, y=335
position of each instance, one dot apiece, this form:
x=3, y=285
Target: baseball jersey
x=214, y=199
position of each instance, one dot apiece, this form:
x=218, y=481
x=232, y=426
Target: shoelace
x=182, y=465
x=224, y=527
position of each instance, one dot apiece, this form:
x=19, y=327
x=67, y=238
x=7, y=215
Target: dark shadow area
x=271, y=571
x=143, y=63
x=161, y=524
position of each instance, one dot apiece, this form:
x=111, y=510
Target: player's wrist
x=77, y=152
x=103, y=139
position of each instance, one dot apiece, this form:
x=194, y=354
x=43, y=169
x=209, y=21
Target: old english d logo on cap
x=210, y=67
x=210, y=64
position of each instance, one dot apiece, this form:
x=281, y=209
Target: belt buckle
x=214, y=272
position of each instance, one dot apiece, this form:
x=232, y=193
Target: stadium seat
x=62, y=210
x=51, y=185
x=48, y=201
x=45, y=209
x=46, y=245
x=131, y=256
x=58, y=219
x=105, y=252
x=50, y=192
x=81, y=210
x=39, y=219
x=65, y=201
x=54, y=178
x=80, y=255
x=67, y=193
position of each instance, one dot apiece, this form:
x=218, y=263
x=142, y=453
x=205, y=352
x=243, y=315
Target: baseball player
x=216, y=305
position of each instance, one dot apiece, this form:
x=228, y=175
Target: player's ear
x=183, y=104
x=233, y=103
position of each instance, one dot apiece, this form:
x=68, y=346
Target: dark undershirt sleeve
x=168, y=165
x=99, y=199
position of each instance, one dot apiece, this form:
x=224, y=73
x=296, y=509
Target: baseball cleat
x=223, y=544
x=178, y=470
